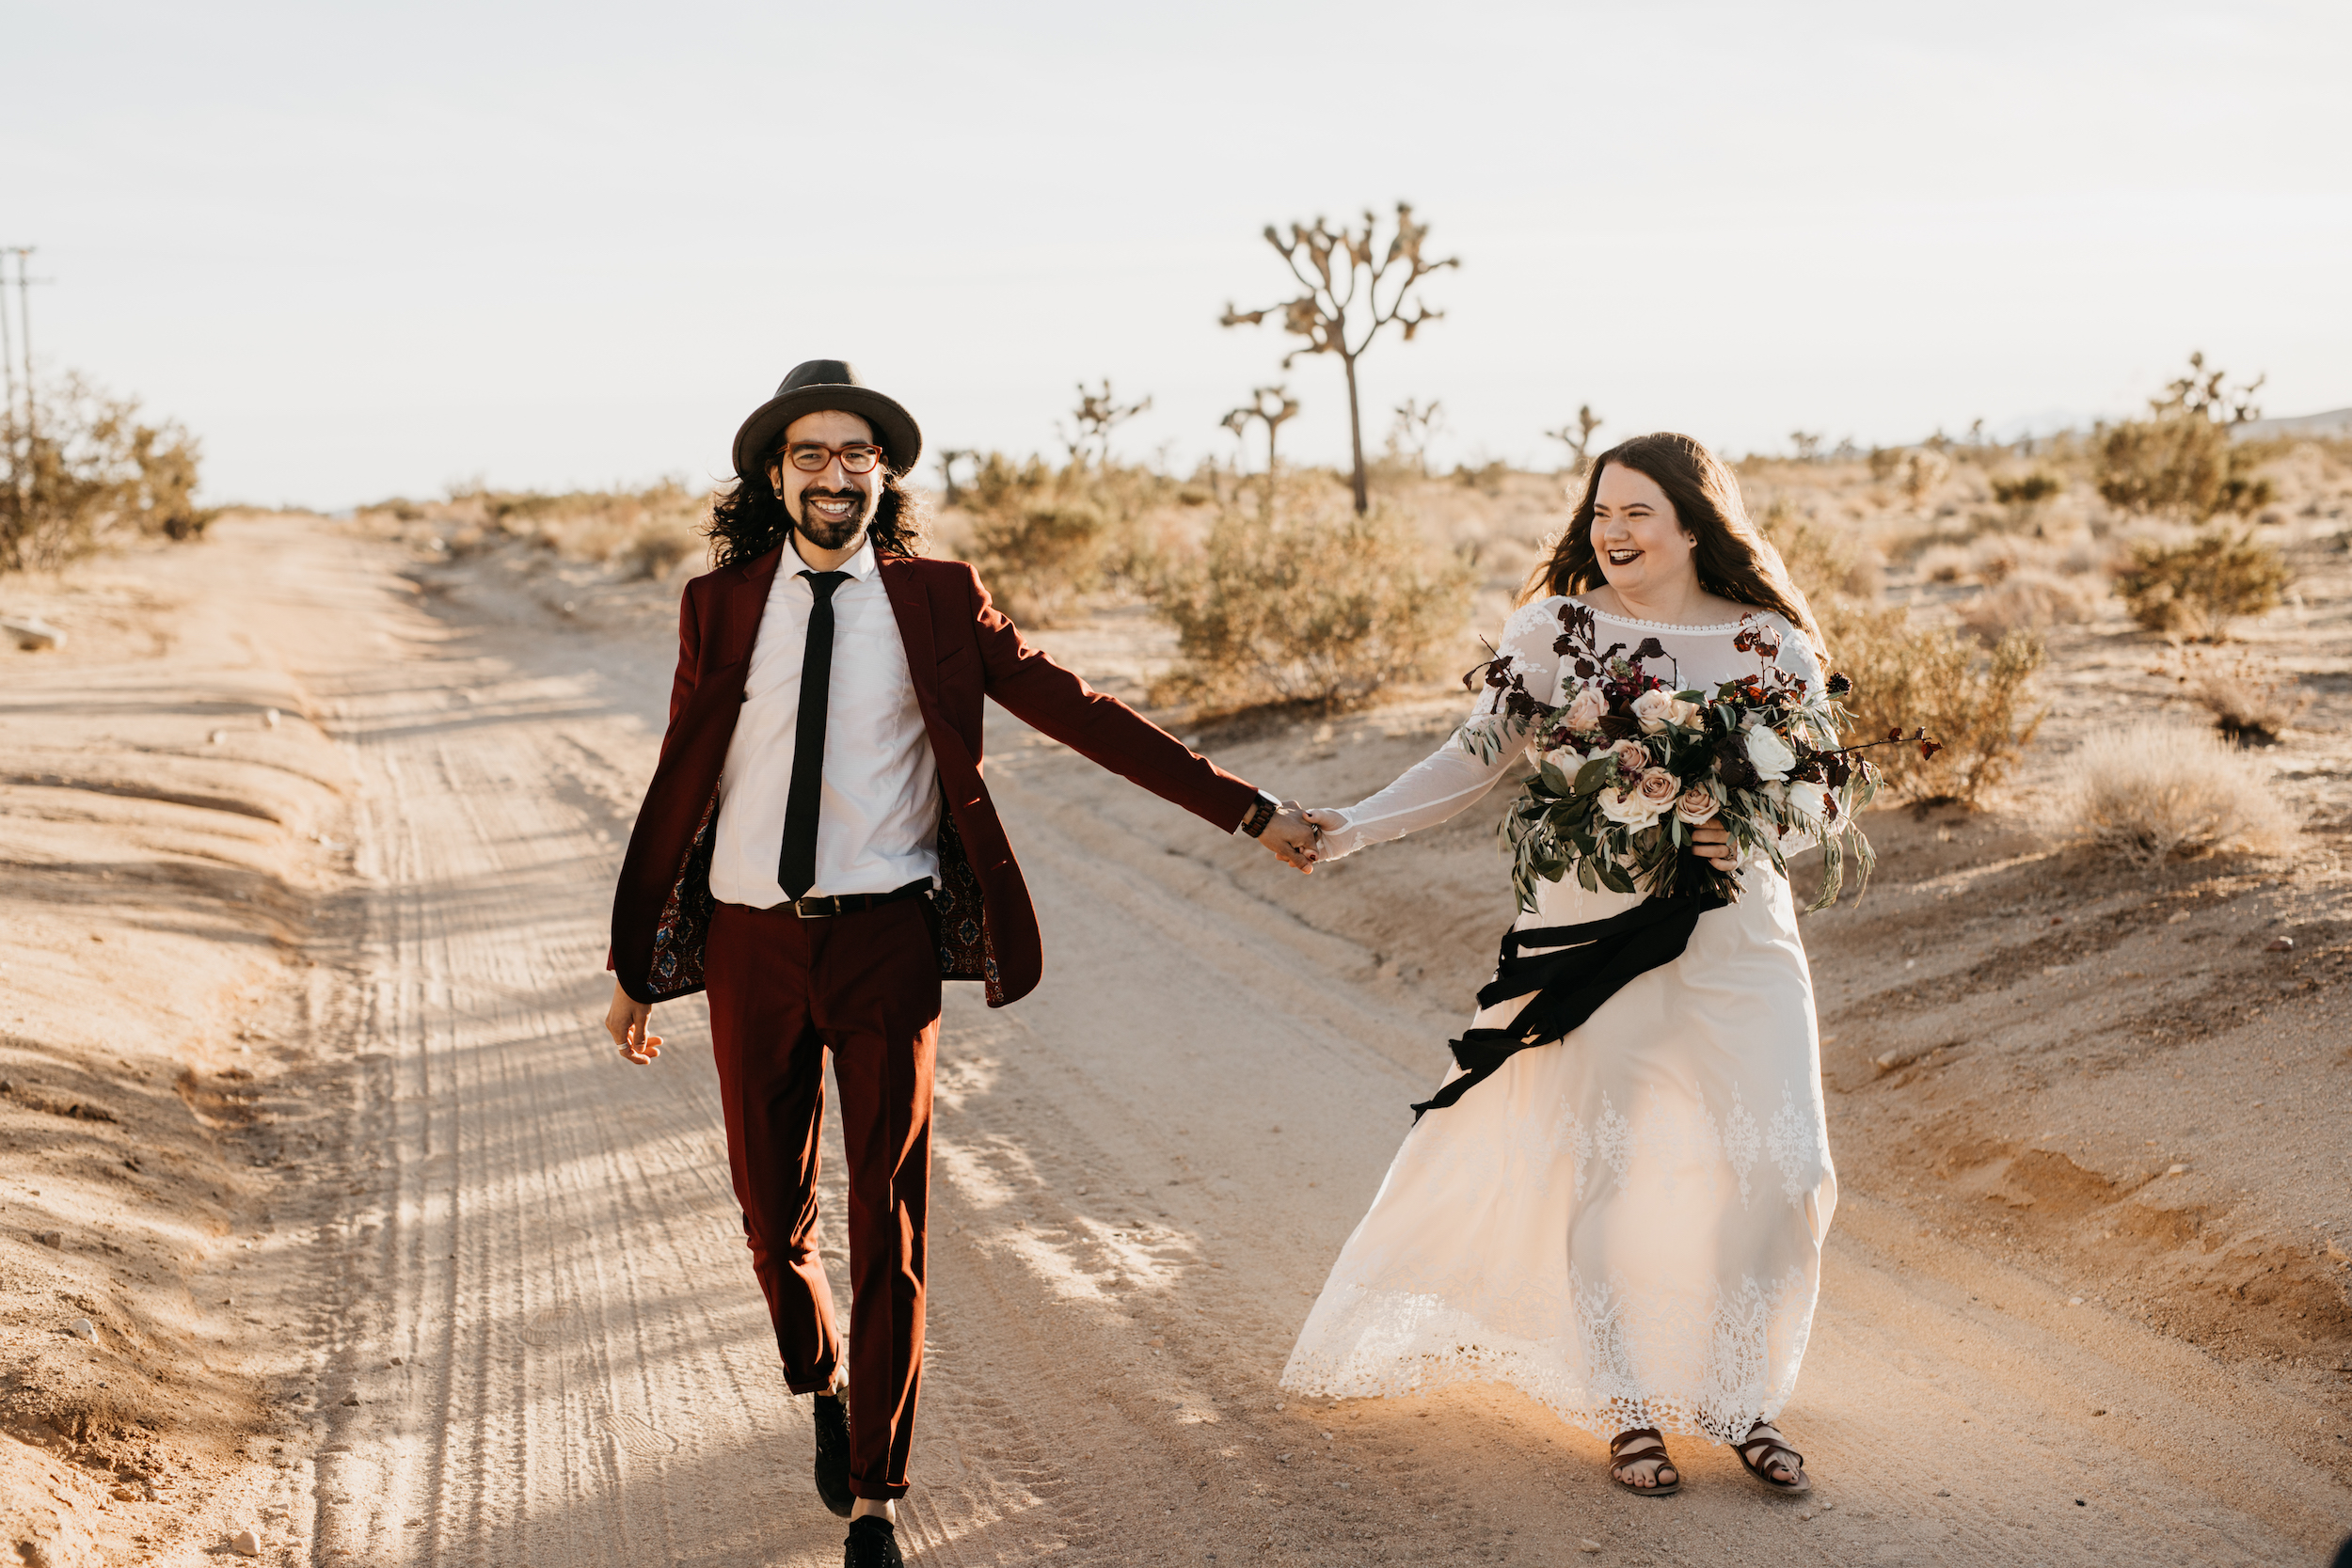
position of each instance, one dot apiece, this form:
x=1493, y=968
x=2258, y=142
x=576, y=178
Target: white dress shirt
x=878, y=818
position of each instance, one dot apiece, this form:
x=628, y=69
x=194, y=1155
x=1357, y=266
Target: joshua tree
x=2201, y=394
x=1577, y=438
x=1416, y=423
x=949, y=458
x=1098, y=414
x=1271, y=406
x=1352, y=293
x=1809, y=444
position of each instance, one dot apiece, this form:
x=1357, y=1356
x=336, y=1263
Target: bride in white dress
x=1627, y=1222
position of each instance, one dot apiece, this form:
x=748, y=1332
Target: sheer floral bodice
x=1452, y=777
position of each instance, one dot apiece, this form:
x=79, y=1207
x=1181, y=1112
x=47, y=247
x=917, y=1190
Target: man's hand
x=1290, y=838
x=629, y=1023
x=1711, y=843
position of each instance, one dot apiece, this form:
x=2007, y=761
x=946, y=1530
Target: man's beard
x=827, y=533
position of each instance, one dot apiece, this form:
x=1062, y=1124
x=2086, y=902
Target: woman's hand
x=1289, y=839
x=1711, y=844
x=629, y=1023
x=1323, y=819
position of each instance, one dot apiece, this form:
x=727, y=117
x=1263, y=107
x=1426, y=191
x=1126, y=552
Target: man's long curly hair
x=747, y=519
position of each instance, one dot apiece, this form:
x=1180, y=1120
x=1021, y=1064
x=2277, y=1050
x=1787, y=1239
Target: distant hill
x=2335, y=422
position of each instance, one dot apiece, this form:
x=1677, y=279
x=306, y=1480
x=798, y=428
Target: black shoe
x=873, y=1543
x=831, y=1414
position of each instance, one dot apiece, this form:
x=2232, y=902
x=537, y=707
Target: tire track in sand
x=1142, y=1174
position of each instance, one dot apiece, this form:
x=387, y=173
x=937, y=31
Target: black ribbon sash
x=1595, y=960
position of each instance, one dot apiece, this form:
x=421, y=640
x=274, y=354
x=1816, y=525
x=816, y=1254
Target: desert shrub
x=1039, y=559
x=2025, y=599
x=1922, y=469
x=2183, y=460
x=2180, y=466
x=1995, y=556
x=658, y=545
x=1907, y=674
x=2201, y=585
x=2027, y=490
x=1047, y=538
x=1820, y=556
x=2152, y=793
x=1486, y=477
x=90, y=467
x=1309, y=607
x=1947, y=564
x=639, y=534
x=2252, y=700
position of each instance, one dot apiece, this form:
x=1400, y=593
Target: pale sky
x=366, y=251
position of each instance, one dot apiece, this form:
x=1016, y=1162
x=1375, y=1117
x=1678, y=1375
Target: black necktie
x=797, y=868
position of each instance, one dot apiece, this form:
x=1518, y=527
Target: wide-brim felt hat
x=816, y=385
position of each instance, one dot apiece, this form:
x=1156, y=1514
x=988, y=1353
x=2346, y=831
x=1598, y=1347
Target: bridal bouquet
x=1630, y=763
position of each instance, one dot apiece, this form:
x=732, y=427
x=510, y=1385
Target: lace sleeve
x=1446, y=782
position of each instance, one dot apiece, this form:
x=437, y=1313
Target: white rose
x=1585, y=711
x=1769, y=754
x=1626, y=806
x=1565, y=758
x=1654, y=708
x=1807, y=801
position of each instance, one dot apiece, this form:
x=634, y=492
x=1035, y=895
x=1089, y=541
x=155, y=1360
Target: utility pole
x=22, y=474
x=7, y=348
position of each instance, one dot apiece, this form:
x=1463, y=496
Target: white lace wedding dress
x=1627, y=1222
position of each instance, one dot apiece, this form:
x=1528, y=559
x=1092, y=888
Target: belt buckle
x=806, y=909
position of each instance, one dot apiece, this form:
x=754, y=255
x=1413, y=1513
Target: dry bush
x=2182, y=465
x=658, y=547
x=1047, y=538
x=2252, y=700
x=1907, y=673
x=1947, y=564
x=2025, y=599
x=1821, y=557
x=1995, y=556
x=89, y=469
x=1316, y=607
x=1921, y=470
x=1041, y=561
x=2201, y=585
x=2152, y=793
x=2183, y=461
x=640, y=533
x=2025, y=492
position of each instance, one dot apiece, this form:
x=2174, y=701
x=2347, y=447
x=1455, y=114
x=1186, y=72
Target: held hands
x=629, y=1023
x=1290, y=839
x=1711, y=844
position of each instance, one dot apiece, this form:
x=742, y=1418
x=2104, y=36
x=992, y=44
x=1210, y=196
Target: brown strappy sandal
x=1756, y=1453
x=1623, y=1449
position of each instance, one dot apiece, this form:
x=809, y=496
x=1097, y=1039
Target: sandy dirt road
x=539, y=1338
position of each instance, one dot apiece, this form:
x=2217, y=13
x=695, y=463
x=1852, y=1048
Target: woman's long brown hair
x=1734, y=561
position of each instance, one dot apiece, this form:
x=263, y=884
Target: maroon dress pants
x=784, y=991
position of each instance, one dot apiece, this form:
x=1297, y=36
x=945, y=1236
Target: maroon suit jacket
x=960, y=648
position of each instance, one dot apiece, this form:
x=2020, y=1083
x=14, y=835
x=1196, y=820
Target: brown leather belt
x=850, y=903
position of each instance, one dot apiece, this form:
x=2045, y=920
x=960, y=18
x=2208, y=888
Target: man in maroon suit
x=819, y=850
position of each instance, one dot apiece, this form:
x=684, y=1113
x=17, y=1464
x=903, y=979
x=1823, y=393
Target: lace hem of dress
x=1370, y=1343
